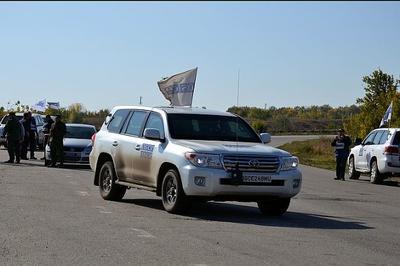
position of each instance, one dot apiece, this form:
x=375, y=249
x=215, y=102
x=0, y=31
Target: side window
x=136, y=123
x=369, y=140
x=384, y=137
x=117, y=120
x=155, y=121
x=378, y=137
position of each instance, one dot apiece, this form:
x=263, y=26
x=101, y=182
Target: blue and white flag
x=179, y=88
x=387, y=116
x=53, y=105
x=40, y=106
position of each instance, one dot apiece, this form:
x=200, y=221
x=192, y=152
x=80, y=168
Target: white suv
x=378, y=154
x=186, y=154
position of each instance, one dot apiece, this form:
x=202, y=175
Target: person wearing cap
x=14, y=132
x=342, y=144
x=57, y=133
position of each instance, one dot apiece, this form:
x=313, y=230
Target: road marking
x=83, y=193
x=142, y=233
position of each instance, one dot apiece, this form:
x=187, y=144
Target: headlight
x=289, y=163
x=204, y=160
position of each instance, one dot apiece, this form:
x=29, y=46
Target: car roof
x=78, y=125
x=177, y=110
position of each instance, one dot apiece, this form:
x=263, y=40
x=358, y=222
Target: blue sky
x=106, y=54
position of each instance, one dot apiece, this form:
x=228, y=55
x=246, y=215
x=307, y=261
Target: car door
x=364, y=154
x=114, y=139
x=130, y=143
x=147, y=161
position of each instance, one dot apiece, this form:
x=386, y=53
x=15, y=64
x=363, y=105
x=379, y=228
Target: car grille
x=246, y=163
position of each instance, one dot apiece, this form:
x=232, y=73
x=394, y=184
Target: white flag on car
x=53, y=105
x=179, y=88
x=387, y=116
x=40, y=106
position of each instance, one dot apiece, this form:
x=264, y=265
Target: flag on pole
x=387, y=116
x=179, y=88
x=53, y=105
x=40, y=106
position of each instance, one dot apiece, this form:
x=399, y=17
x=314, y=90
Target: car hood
x=223, y=147
x=76, y=142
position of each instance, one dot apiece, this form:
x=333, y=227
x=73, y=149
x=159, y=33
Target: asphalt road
x=57, y=217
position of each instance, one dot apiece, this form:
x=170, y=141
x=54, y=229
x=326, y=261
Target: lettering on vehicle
x=146, y=151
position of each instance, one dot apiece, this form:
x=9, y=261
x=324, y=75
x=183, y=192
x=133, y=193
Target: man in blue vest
x=342, y=144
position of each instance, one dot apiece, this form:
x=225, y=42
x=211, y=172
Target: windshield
x=210, y=127
x=79, y=132
x=7, y=117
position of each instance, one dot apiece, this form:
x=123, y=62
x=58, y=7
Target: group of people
x=21, y=134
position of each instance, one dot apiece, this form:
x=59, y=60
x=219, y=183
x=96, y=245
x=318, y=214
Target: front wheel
x=273, y=207
x=173, y=197
x=376, y=177
x=108, y=189
x=353, y=174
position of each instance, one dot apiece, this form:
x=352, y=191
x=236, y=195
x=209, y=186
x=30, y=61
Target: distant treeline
x=297, y=120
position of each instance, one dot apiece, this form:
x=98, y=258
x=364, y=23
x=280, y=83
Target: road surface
x=57, y=217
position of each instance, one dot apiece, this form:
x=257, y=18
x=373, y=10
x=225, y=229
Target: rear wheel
x=353, y=174
x=376, y=177
x=108, y=189
x=173, y=197
x=273, y=207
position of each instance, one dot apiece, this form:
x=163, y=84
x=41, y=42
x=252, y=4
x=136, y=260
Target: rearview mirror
x=153, y=133
x=108, y=119
x=265, y=138
x=358, y=141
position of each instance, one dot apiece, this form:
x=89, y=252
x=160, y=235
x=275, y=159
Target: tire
x=273, y=207
x=173, y=197
x=375, y=177
x=108, y=189
x=353, y=174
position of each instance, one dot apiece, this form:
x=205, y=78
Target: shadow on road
x=40, y=163
x=226, y=212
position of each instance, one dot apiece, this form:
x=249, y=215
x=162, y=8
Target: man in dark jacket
x=32, y=136
x=13, y=130
x=57, y=133
x=25, y=143
x=46, y=131
x=342, y=144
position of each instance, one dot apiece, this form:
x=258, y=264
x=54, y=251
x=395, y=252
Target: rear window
x=74, y=132
x=396, y=138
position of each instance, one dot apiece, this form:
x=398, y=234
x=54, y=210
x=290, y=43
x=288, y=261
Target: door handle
x=137, y=147
x=115, y=143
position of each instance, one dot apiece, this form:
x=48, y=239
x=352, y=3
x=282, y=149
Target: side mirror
x=265, y=138
x=108, y=119
x=358, y=141
x=154, y=134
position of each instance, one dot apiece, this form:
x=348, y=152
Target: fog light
x=200, y=181
x=296, y=183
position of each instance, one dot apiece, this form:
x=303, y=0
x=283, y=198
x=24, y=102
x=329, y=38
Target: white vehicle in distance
x=378, y=155
x=185, y=154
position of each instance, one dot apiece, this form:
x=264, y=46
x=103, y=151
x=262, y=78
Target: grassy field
x=316, y=152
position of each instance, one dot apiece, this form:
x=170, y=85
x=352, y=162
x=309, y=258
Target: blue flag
x=387, y=116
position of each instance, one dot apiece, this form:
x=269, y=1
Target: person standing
x=25, y=142
x=57, y=133
x=342, y=144
x=13, y=130
x=32, y=136
x=46, y=130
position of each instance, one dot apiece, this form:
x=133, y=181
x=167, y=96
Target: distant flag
x=179, y=88
x=40, y=106
x=53, y=105
x=387, y=116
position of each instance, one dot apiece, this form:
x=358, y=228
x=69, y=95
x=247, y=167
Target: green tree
x=75, y=113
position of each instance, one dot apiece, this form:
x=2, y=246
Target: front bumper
x=218, y=182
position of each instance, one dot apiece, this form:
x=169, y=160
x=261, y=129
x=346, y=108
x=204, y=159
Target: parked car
x=378, y=155
x=39, y=125
x=77, y=144
x=185, y=154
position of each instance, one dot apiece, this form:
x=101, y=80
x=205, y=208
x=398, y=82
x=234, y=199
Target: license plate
x=257, y=179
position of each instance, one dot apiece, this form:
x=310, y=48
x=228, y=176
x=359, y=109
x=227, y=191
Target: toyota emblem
x=254, y=163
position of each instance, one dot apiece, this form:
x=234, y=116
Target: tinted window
x=74, y=132
x=155, y=121
x=384, y=137
x=210, y=127
x=396, y=138
x=117, y=121
x=39, y=121
x=136, y=123
x=369, y=140
x=378, y=137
